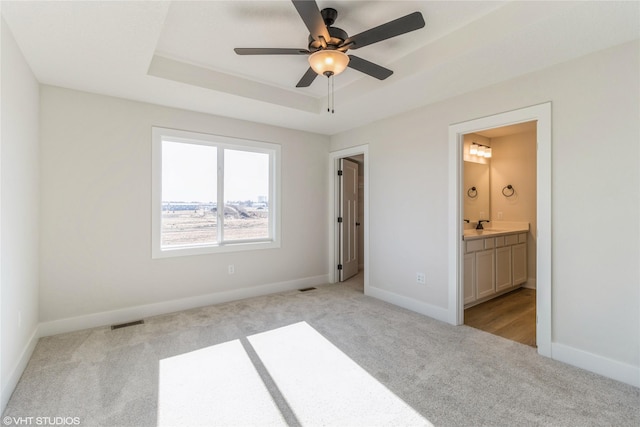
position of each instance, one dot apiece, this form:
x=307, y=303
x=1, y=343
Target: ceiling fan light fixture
x=328, y=62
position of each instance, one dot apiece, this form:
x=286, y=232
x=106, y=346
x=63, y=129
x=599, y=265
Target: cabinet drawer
x=511, y=239
x=499, y=241
x=489, y=243
x=522, y=237
x=475, y=245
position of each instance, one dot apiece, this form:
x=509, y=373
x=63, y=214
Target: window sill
x=192, y=250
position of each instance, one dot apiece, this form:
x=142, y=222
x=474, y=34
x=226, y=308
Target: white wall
x=96, y=222
x=595, y=181
x=514, y=163
x=476, y=203
x=19, y=195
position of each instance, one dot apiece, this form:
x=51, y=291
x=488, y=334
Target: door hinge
x=339, y=173
x=340, y=219
x=339, y=266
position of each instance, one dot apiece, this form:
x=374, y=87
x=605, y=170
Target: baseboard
x=433, y=311
x=530, y=283
x=139, y=312
x=18, y=369
x=609, y=368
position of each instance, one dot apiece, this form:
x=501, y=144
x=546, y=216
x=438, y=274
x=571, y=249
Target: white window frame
x=221, y=142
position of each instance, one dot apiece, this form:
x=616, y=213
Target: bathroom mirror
x=477, y=201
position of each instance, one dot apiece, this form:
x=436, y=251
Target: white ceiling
x=180, y=53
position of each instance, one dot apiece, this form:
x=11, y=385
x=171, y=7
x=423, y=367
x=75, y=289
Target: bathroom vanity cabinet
x=494, y=263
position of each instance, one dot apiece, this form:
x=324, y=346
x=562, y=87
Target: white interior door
x=348, y=266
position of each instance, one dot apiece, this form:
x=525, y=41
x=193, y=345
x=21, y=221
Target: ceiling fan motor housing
x=338, y=36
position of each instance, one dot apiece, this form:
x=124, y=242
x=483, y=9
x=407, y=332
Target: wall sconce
x=480, y=150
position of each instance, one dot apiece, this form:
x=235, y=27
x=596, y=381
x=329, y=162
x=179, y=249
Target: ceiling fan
x=328, y=44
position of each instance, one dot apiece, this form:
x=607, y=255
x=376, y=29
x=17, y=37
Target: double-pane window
x=212, y=193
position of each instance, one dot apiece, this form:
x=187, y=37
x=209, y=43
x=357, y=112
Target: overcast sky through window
x=189, y=174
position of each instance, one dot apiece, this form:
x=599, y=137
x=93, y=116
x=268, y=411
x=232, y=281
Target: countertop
x=498, y=229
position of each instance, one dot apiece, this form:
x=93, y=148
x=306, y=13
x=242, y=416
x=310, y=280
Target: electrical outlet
x=231, y=269
x=421, y=278
x=499, y=215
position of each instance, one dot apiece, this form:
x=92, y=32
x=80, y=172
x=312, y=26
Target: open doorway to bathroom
x=490, y=267
x=499, y=231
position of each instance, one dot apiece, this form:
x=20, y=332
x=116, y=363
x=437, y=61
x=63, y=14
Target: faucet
x=480, y=221
x=466, y=220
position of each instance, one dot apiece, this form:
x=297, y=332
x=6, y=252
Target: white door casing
x=541, y=113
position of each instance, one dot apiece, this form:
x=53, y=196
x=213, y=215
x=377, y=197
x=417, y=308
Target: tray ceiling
x=180, y=53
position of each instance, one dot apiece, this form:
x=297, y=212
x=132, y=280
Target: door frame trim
x=542, y=114
x=334, y=206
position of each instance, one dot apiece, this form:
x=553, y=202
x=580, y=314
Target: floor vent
x=124, y=325
x=306, y=289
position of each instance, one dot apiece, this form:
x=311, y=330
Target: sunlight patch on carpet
x=323, y=386
x=216, y=385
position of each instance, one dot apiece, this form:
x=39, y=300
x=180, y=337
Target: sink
x=501, y=229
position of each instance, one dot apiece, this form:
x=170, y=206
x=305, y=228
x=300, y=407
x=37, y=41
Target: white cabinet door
x=503, y=268
x=519, y=254
x=485, y=273
x=469, y=278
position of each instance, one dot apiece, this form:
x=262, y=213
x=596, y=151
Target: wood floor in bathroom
x=511, y=316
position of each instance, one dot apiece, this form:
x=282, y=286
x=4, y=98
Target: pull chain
x=328, y=92
x=331, y=97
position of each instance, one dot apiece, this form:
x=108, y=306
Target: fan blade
x=269, y=51
x=307, y=79
x=411, y=22
x=364, y=66
x=310, y=14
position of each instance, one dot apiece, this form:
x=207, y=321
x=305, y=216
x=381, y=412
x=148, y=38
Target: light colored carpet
x=221, y=385
x=452, y=376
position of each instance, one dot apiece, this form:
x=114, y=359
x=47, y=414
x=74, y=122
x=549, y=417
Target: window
x=213, y=194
